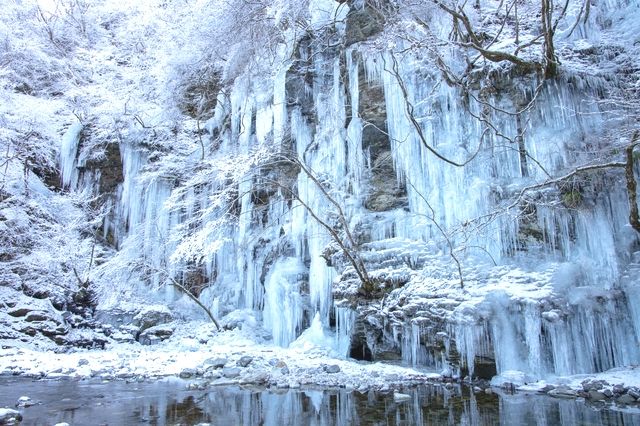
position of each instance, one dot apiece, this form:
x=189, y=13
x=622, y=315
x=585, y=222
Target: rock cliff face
x=429, y=191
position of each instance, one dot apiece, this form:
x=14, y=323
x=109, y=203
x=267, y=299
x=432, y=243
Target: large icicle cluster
x=545, y=290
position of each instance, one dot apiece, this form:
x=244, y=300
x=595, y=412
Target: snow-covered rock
x=151, y=316
x=9, y=416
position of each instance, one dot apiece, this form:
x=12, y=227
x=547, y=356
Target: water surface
x=166, y=402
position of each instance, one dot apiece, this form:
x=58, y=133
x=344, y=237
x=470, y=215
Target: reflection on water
x=167, y=403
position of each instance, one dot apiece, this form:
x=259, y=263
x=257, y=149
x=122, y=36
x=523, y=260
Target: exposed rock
x=634, y=392
x=25, y=401
x=362, y=24
x=625, y=399
x=244, y=361
x=117, y=317
x=215, y=362
x=259, y=378
x=484, y=367
x=563, y=392
x=83, y=338
x=152, y=316
x=546, y=389
x=123, y=337
x=593, y=385
x=187, y=373
x=618, y=389
x=9, y=416
x=211, y=375
x=280, y=365
x=596, y=396
x=156, y=334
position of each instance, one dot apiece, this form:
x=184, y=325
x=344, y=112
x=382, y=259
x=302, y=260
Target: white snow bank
x=307, y=365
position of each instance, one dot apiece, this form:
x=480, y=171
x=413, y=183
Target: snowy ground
x=225, y=358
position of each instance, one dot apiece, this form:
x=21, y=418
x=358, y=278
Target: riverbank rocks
x=563, y=392
x=9, y=416
x=595, y=390
x=244, y=361
x=625, y=399
x=187, y=373
x=596, y=396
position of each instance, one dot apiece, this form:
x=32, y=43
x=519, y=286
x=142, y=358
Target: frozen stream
x=90, y=402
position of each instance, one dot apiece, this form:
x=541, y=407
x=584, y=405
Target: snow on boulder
x=156, y=334
x=9, y=416
x=153, y=315
x=24, y=401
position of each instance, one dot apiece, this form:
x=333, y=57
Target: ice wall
x=265, y=250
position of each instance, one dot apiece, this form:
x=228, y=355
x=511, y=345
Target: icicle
x=345, y=320
x=69, y=154
x=283, y=310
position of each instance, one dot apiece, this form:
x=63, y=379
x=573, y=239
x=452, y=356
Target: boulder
x=596, y=395
x=563, y=392
x=244, y=361
x=187, y=373
x=625, y=399
x=156, y=334
x=9, y=416
x=152, y=316
x=215, y=362
x=82, y=338
x=24, y=401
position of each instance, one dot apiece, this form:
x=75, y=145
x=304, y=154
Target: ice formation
x=273, y=258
